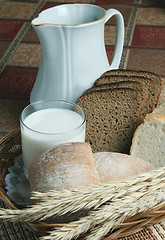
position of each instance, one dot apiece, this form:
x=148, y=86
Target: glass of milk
x=47, y=123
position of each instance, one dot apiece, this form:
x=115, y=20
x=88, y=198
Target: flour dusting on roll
x=112, y=166
x=66, y=166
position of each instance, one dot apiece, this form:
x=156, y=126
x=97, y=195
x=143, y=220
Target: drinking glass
x=48, y=123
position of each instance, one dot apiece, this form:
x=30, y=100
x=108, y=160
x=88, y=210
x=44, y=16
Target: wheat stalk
x=59, y=203
x=127, y=209
x=108, y=216
x=95, y=196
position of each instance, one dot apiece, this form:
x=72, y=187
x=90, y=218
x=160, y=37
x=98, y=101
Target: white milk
x=47, y=128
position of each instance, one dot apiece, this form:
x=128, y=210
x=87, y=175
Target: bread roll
x=66, y=166
x=149, y=140
x=112, y=166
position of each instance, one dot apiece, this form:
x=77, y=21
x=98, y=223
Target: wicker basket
x=10, y=147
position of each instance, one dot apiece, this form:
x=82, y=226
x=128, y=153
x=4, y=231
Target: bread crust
x=65, y=166
x=159, y=116
x=112, y=166
x=131, y=72
x=159, y=110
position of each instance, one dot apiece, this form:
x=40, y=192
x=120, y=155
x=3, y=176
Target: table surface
x=20, y=52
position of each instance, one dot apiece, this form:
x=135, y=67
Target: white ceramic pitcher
x=73, y=49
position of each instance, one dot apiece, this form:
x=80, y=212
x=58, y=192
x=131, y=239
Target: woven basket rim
x=10, y=147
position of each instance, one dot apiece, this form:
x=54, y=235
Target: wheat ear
x=95, y=196
x=84, y=198
x=109, y=216
x=126, y=210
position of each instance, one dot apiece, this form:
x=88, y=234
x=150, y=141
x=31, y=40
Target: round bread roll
x=66, y=166
x=112, y=166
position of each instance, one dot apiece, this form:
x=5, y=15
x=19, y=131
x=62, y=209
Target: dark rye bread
x=151, y=87
x=131, y=73
x=145, y=74
x=141, y=87
x=112, y=116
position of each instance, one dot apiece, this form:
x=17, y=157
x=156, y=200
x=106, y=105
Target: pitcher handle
x=119, y=37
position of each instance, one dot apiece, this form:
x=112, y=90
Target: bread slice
x=112, y=116
x=156, y=79
x=148, y=142
x=113, y=166
x=150, y=87
x=129, y=84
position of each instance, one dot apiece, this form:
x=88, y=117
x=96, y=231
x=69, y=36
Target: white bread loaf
x=112, y=166
x=66, y=166
x=149, y=140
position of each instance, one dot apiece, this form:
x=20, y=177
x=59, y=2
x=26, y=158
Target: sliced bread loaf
x=129, y=84
x=112, y=116
x=150, y=87
x=130, y=72
x=148, y=142
x=144, y=74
